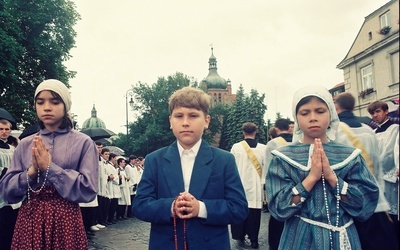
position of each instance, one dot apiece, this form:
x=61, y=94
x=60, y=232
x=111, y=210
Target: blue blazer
x=215, y=181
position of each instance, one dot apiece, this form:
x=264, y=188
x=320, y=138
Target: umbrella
x=4, y=114
x=105, y=141
x=29, y=131
x=115, y=150
x=98, y=133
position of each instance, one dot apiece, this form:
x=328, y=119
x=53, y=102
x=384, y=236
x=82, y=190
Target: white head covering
x=323, y=94
x=59, y=88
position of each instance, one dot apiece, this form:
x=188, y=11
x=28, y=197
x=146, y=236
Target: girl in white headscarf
x=51, y=171
x=318, y=186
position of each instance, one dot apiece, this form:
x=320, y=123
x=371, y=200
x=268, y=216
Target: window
x=385, y=19
x=370, y=35
x=367, y=80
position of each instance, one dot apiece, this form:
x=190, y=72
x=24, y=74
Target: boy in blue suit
x=189, y=190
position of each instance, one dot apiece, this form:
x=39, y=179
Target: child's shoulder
x=219, y=151
x=330, y=147
x=338, y=146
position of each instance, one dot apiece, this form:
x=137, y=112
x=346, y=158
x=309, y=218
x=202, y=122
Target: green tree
x=218, y=114
x=36, y=37
x=246, y=108
x=151, y=130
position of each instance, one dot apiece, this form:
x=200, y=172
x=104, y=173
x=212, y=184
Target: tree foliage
x=36, y=37
x=151, y=130
x=246, y=108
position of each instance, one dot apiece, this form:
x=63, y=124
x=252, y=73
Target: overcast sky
x=272, y=46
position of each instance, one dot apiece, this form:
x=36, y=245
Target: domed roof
x=93, y=121
x=213, y=80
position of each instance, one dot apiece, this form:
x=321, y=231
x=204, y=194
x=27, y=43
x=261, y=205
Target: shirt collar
x=195, y=148
x=383, y=123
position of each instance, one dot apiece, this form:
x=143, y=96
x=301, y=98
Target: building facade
x=371, y=66
x=217, y=87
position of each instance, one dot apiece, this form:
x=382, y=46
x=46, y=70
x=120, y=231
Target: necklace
x=175, y=229
x=38, y=174
x=327, y=207
x=41, y=187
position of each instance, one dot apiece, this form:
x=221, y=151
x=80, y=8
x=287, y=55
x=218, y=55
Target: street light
x=130, y=93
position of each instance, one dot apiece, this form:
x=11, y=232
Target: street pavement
x=134, y=234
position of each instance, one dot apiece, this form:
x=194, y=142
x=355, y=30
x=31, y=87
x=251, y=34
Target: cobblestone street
x=134, y=234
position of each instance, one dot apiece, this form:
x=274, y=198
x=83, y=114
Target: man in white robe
x=8, y=212
x=387, y=134
x=250, y=160
x=125, y=199
x=376, y=232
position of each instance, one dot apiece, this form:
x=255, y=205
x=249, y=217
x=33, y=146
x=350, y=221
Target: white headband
x=59, y=88
x=326, y=96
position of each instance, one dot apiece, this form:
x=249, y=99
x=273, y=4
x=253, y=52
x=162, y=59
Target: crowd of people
x=328, y=181
x=118, y=180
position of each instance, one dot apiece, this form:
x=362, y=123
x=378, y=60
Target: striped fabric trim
x=339, y=165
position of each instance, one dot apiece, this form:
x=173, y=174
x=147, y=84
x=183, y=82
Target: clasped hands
x=41, y=157
x=186, y=206
x=320, y=165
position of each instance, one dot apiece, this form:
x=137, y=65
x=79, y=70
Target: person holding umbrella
x=51, y=171
x=8, y=212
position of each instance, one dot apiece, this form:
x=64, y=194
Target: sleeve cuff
x=300, y=190
x=202, y=210
x=344, y=188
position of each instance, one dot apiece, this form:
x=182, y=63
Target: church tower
x=93, y=121
x=217, y=87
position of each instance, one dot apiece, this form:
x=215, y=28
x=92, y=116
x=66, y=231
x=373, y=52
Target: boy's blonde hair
x=189, y=97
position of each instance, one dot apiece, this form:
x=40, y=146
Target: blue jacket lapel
x=173, y=170
x=201, y=170
x=200, y=175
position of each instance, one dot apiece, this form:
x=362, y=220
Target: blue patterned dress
x=289, y=168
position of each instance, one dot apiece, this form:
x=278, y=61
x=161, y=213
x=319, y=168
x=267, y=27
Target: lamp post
x=130, y=93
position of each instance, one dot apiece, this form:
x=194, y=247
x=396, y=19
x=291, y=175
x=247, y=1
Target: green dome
x=213, y=80
x=93, y=121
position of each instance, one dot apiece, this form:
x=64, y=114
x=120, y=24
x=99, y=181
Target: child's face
x=188, y=125
x=379, y=116
x=313, y=119
x=49, y=110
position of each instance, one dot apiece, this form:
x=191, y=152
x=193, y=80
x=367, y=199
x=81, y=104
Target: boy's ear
x=208, y=119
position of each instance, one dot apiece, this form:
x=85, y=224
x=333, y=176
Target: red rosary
x=175, y=230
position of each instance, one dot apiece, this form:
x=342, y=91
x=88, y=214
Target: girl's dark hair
x=306, y=100
x=66, y=121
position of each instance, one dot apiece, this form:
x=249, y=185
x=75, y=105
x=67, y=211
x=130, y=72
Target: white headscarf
x=57, y=87
x=323, y=94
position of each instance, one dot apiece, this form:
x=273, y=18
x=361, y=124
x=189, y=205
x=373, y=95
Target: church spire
x=94, y=112
x=212, y=61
